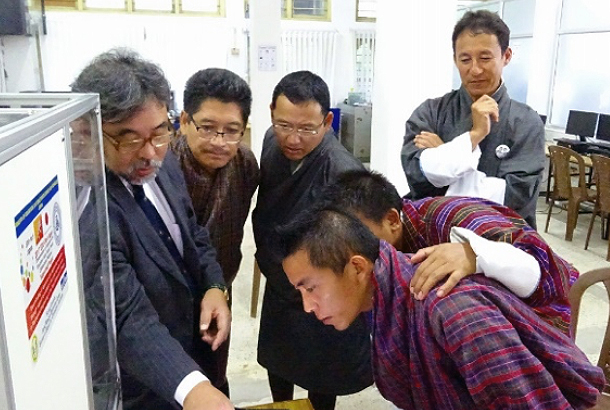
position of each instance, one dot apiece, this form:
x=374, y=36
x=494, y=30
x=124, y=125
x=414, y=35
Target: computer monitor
x=603, y=127
x=581, y=123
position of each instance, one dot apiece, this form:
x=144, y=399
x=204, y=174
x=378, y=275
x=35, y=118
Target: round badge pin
x=502, y=151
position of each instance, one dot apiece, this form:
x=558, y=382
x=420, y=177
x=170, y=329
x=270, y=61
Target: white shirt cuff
x=478, y=185
x=186, y=385
x=511, y=266
x=448, y=162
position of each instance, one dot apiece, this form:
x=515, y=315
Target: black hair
x=482, y=21
x=362, y=192
x=124, y=81
x=302, y=87
x=220, y=84
x=329, y=236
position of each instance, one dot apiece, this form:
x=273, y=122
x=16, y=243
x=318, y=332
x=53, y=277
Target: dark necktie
x=157, y=222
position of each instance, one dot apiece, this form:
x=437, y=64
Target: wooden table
x=301, y=404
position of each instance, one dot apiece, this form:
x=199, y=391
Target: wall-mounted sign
x=267, y=58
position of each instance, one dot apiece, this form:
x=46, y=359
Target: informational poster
x=44, y=276
x=267, y=58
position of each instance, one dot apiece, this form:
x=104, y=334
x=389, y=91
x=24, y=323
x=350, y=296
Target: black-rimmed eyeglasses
x=208, y=132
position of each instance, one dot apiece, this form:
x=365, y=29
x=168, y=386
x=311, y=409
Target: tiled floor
x=249, y=380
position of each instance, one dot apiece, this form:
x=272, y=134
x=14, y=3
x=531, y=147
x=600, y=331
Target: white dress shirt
x=454, y=164
x=514, y=268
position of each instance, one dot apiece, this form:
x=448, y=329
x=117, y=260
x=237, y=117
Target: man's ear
x=361, y=266
x=184, y=120
x=328, y=120
x=508, y=54
x=393, y=219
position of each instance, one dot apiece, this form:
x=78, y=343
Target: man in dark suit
x=170, y=297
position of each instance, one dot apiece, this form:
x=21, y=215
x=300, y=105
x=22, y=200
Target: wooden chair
x=586, y=280
x=601, y=169
x=563, y=190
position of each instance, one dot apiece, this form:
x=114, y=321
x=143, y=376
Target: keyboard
x=589, y=147
x=600, y=143
x=598, y=150
x=575, y=144
x=569, y=141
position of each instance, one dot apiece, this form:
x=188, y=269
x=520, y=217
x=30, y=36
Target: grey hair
x=124, y=81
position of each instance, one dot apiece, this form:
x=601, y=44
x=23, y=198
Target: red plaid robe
x=429, y=221
x=479, y=347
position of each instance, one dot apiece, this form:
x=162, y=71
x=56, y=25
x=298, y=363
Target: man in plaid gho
x=480, y=346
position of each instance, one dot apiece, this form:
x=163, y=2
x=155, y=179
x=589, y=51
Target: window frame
x=364, y=19
x=81, y=5
x=288, y=12
x=564, y=33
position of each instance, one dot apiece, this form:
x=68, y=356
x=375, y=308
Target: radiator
x=310, y=50
x=364, y=44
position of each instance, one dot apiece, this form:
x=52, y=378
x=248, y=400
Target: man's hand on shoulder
x=427, y=140
x=484, y=111
x=204, y=396
x=215, y=319
x=456, y=260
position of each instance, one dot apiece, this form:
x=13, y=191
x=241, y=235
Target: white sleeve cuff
x=478, y=185
x=186, y=385
x=511, y=266
x=448, y=162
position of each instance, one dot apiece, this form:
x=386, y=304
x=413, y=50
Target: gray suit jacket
x=156, y=315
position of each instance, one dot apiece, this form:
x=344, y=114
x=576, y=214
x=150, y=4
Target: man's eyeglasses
x=208, y=132
x=130, y=146
x=287, y=129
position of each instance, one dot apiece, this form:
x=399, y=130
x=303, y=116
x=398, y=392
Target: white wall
x=546, y=24
x=406, y=73
x=185, y=44
x=181, y=44
x=21, y=66
x=265, y=31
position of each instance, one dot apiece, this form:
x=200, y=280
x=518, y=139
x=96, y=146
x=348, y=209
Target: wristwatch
x=221, y=287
